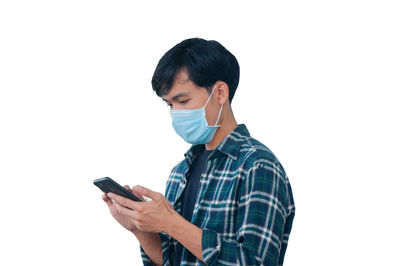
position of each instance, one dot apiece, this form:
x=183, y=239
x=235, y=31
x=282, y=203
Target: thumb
x=146, y=192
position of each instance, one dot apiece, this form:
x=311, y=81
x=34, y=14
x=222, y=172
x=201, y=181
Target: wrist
x=172, y=223
x=135, y=231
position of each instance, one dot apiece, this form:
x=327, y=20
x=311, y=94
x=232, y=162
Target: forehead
x=182, y=86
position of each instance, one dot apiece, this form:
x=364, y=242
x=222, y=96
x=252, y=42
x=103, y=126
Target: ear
x=222, y=92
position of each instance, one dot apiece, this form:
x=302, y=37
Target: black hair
x=205, y=61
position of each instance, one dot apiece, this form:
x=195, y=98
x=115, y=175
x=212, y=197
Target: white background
x=319, y=86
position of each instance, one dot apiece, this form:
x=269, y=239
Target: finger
x=106, y=199
x=134, y=192
x=147, y=192
x=118, y=206
x=137, y=193
x=128, y=188
x=125, y=211
x=124, y=201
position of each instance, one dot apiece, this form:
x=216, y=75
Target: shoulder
x=264, y=172
x=254, y=154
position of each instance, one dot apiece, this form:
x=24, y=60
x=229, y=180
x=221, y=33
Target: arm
x=261, y=215
x=260, y=223
x=187, y=234
x=149, y=218
x=151, y=244
x=153, y=220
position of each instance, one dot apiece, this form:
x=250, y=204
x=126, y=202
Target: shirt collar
x=230, y=145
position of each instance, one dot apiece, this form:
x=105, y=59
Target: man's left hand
x=150, y=216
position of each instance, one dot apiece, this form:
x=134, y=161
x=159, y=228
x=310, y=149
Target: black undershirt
x=189, y=195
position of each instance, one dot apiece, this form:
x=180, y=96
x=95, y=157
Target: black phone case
x=106, y=184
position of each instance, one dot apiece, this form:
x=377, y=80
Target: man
x=229, y=202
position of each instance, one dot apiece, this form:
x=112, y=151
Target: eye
x=184, y=101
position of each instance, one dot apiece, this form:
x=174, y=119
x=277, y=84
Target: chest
x=217, y=202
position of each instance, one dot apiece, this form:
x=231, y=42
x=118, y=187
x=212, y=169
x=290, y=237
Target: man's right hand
x=115, y=208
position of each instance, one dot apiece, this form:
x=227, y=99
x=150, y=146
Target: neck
x=228, y=124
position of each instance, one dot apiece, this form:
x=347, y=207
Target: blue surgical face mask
x=192, y=125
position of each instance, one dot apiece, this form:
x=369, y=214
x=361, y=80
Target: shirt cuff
x=211, y=246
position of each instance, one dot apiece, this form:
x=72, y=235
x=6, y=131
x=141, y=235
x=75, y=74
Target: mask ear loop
x=209, y=98
x=219, y=115
x=219, y=109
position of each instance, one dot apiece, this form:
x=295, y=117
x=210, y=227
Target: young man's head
x=193, y=74
x=205, y=63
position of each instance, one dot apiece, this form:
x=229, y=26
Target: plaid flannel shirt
x=245, y=205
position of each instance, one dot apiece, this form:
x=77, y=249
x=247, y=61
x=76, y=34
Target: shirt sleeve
x=164, y=247
x=263, y=196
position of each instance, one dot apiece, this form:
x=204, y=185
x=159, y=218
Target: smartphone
x=106, y=184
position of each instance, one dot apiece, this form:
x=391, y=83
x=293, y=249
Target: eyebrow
x=181, y=94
